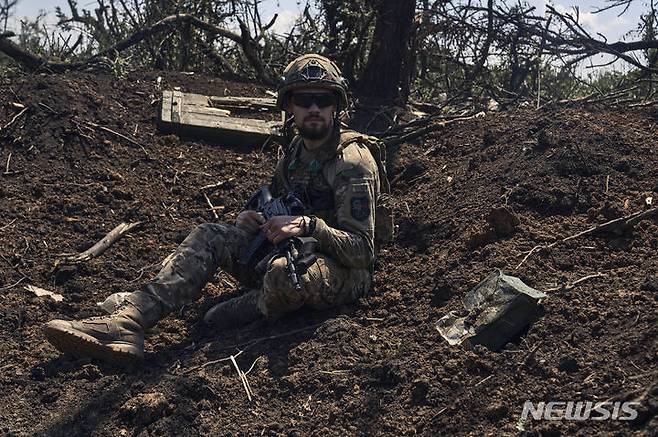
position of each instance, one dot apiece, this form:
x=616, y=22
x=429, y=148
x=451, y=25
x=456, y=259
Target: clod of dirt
x=90, y=372
x=650, y=284
x=64, y=273
x=503, y=221
x=611, y=211
x=410, y=172
x=479, y=238
x=442, y=293
x=622, y=166
x=390, y=374
x=419, y=391
x=38, y=373
x=50, y=396
x=496, y=412
x=144, y=408
x=545, y=140
x=568, y=364
x=489, y=139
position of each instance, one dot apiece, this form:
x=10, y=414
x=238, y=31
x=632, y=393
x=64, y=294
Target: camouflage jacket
x=339, y=184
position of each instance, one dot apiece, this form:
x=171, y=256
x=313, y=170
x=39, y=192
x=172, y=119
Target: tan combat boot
x=117, y=338
x=235, y=312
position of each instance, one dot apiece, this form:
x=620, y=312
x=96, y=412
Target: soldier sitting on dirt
x=339, y=181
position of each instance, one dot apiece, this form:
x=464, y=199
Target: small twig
x=334, y=372
x=8, y=224
x=13, y=285
x=607, y=184
x=217, y=185
x=242, y=376
x=14, y=267
x=484, y=380
x=252, y=366
x=374, y=319
x=210, y=363
x=531, y=354
x=212, y=207
x=585, y=278
x=576, y=282
x=141, y=273
x=645, y=104
x=120, y=135
x=246, y=345
x=47, y=107
x=439, y=413
x=13, y=120
x=7, y=172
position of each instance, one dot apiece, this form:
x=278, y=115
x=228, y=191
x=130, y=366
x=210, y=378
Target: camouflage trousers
x=214, y=245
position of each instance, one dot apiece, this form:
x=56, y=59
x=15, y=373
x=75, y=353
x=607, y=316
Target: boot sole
x=80, y=345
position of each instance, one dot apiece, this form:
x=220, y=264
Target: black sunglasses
x=306, y=100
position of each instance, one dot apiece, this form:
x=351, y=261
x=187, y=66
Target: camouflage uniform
x=339, y=185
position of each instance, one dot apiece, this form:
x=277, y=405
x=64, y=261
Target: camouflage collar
x=322, y=154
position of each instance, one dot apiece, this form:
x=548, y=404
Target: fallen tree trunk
x=31, y=61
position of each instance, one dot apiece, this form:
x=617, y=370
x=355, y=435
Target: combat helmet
x=311, y=70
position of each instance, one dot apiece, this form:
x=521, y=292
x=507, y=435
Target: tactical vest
x=321, y=199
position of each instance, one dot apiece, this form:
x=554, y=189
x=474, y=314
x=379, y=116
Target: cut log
x=209, y=116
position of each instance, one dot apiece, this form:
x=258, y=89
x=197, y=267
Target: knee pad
x=279, y=295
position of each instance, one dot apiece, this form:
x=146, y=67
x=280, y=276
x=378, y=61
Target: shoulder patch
x=360, y=208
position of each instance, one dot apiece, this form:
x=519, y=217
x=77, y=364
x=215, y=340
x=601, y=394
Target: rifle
x=299, y=257
x=297, y=250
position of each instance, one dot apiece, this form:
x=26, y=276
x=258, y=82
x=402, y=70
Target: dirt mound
x=476, y=196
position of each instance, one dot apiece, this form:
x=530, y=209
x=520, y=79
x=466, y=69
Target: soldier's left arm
x=356, y=187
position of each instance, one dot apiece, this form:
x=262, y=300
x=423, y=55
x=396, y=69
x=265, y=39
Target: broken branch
x=117, y=134
x=100, y=247
x=618, y=225
x=415, y=134
x=244, y=39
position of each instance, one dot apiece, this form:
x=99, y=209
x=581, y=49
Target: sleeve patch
x=360, y=187
x=360, y=208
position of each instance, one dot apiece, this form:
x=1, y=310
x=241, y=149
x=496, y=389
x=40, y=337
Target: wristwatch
x=310, y=229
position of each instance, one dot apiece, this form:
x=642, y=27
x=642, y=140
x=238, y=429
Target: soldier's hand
x=250, y=221
x=280, y=227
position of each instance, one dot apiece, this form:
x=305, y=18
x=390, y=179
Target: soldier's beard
x=315, y=131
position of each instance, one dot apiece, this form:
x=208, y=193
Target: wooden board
x=210, y=116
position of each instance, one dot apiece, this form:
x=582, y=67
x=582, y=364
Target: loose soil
x=377, y=367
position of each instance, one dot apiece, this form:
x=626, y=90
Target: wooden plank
x=176, y=106
x=247, y=103
x=198, y=115
x=165, y=114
